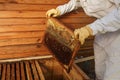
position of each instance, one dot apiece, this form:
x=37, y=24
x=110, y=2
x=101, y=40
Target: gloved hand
x=53, y=13
x=83, y=33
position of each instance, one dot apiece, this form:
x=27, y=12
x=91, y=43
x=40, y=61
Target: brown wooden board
x=61, y=42
x=23, y=22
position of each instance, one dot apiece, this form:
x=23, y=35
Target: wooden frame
x=73, y=44
x=75, y=74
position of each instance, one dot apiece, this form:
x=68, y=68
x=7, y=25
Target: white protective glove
x=83, y=33
x=53, y=13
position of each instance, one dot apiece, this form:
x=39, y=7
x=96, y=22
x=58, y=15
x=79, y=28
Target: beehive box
x=22, y=26
x=38, y=69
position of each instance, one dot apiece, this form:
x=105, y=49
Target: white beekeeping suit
x=107, y=31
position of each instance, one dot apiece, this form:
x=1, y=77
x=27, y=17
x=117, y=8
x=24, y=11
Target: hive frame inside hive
x=63, y=41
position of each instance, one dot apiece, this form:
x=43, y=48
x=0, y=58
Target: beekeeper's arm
x=108, y=23
x=62, y=9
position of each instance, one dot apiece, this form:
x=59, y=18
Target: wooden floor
x=26, y=70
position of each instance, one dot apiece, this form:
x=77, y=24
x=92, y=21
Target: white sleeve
x=109, y=23
x=68, y=7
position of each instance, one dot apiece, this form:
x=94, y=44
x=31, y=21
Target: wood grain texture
x=23, y=23
x=40, y=69
x=3, y=72
x=25, y=7
x=35, y=1
x=21, y=51
x=13, y=72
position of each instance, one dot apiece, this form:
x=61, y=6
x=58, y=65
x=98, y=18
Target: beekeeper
x=106, y=30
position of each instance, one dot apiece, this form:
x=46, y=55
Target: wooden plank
x=27, y=58
x=22, y=49
x=22, y=14
x=20, y=41
x=8, y=72
x=57, y=71
x=17, y=28
x=39, y=70
x=13, y=71
x=47, y=68
x=3, y=72
x=85, y=54
x=35, y=1
x=22, y=21
x=77, y=20
x=75, y=26
x=24, y=54
x=74, y=75
x=33, y=67
x=43, y=21
x=15, y=35
x=17, y=71
x=84, y=59
x=0, y=70
x=75, y=14
x=79, y=72
x=36, y=14
x=25, y=7
x=28, y=71
x=23, y=77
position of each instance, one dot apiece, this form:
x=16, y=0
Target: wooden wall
x=22, y=25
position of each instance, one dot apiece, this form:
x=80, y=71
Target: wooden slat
x=22, y=48
x=23, y=77
x=35, y=1
x=39, y=71
x=22, y=14
x=78, y=20
x=24, y=59
x=43, y=21
x=21, y=35
x=0, y=70
x=75, y=14
x=24, y=55
x=47, y=71
x=20, y=41
x=22, y=51
x=17, y=28
x=76, y=71
x=57, y=71
x=25, y=7
x=8, y=72
x=74, y=75
x=13, y=71
x=28, y=71
x=17, y=71
x=22, y=21
x=84, y=59
x=33, y=67
x=75, y=26
x=35, y=14
x=4, y=72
